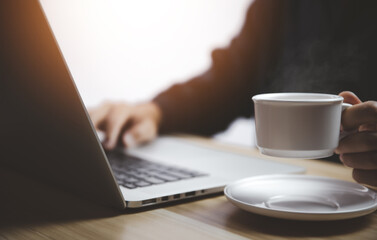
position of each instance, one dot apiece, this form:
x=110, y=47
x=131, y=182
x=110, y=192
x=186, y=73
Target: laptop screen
x=46, y=131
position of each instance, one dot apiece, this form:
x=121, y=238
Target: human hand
x=130, y=124
x=358, y=150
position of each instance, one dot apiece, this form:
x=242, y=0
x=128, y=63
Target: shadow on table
x=290, y=228
x=24, y=201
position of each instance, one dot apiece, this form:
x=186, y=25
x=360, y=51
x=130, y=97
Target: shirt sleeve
x=208, y=103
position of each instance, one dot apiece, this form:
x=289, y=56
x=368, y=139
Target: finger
x=116, y=120
x=368, y=177
x=363, y=113
x=350, y=97
x=358, y=142
x=365, y=160
x=140, y=133
x=97, y=115
x=368, y=127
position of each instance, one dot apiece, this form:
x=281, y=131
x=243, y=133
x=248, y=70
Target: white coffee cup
x=298, y=125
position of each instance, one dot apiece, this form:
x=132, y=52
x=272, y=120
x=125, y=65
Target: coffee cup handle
x=344, y=134
x=345, y=106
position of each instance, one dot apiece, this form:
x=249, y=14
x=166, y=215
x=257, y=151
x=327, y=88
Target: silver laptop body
x=48, y=134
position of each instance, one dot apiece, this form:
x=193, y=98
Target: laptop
x=47, y=133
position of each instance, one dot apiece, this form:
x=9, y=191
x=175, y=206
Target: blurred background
x=131, y=50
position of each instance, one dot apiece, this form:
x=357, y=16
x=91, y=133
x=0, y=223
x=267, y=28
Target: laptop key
x=130, y=180
x=154, y=180
x=130, y=172
x=180, y=175
x=193, y=173
x=164, y=176
x=142, y=184
x=145, y=170
x=139, y=175
x=129, y=185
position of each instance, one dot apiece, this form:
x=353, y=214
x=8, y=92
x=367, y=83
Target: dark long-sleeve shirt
x=284, y=46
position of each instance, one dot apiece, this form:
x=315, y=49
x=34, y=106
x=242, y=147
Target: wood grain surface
x=33, y=210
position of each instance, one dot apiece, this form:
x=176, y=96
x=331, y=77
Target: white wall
x=131, y=50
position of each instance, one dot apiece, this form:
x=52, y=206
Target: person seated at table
x=284, y=46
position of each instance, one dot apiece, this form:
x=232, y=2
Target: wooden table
x=31, y=210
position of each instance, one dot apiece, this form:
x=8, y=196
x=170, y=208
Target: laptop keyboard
x=133, y=172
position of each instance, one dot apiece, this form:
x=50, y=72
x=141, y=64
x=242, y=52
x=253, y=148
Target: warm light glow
x=131, y=50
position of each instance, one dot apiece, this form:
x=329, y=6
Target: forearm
x=201, y=106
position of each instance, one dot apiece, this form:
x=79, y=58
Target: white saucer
x=302, y=197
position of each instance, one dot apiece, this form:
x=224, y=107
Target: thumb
x=139, y=133
x=350, y=97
